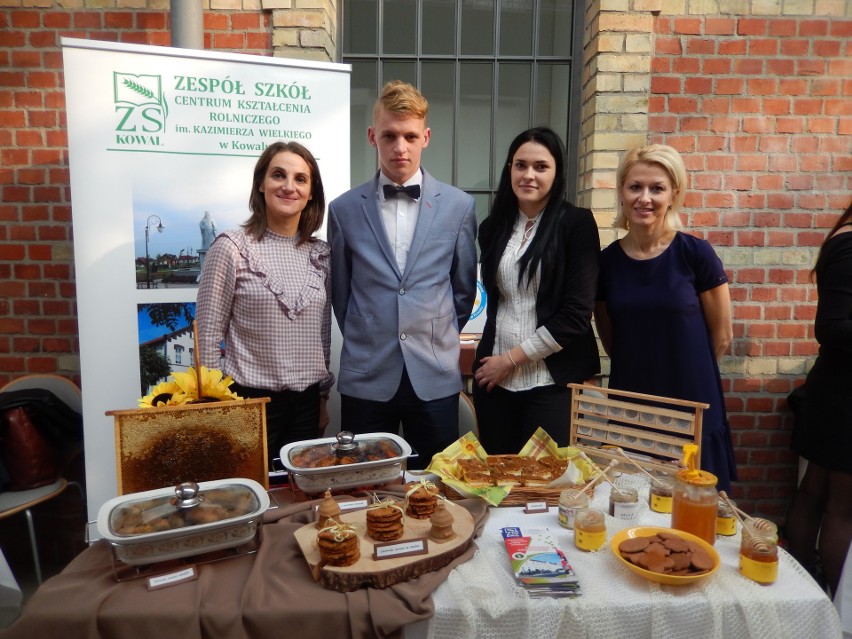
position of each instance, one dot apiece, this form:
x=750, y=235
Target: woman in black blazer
x=539, y=261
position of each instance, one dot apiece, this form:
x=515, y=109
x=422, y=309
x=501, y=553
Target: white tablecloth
x=843, y=597
x=480, y=599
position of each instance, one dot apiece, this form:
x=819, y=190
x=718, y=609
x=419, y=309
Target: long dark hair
x=845, y=218
x=311, y=218
x=504, y=211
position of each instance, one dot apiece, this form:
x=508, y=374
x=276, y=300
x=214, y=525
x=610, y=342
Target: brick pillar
x=615, y=94
x=304, y=29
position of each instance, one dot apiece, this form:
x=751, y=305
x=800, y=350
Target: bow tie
x=391, y=190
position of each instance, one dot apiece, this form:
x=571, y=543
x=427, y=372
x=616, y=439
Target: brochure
x=538, y=564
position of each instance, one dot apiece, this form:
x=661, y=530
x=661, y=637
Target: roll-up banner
x=162, y=145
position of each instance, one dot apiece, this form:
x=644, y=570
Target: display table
x=269, y=594
x=480, y=599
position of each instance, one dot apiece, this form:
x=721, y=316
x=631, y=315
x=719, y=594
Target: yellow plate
x=660, y=578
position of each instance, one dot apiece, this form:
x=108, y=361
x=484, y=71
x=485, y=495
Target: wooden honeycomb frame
x=159, y=447
x=650, y=429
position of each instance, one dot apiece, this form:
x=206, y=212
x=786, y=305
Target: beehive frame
x=649, y=428
x=159, y=447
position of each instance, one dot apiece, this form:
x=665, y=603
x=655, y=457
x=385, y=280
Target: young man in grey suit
x=403, y=261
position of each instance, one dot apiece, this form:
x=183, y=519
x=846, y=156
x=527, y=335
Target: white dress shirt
x=399, y=214
x=516, y=316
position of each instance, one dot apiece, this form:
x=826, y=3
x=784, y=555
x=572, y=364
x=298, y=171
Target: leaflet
x=538, y=564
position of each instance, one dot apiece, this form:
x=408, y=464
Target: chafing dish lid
x=347, y=449
x=186, y=506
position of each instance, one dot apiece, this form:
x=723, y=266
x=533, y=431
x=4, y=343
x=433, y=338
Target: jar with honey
x=589, y=529
x=624, y=503
x=660, y=494
x=759, y=551
x=570, y=501
x=726, y=521
x=695, y=499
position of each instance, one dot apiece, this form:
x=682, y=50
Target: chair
x=650, y=429
x=12, y=503
x=467, y=416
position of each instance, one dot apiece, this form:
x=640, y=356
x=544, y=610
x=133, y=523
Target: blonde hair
x=670, y=161
x=402, y=99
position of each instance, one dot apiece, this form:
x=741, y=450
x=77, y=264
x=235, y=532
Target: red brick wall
x=38, y=320
x=38, y=315
x=761, y=109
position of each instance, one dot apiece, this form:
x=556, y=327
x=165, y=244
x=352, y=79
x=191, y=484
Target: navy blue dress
x=660, y=342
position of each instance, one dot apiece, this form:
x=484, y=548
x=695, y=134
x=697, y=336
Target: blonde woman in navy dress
x=664, y=310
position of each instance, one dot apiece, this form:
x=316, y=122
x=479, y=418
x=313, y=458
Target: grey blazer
x=389, y=319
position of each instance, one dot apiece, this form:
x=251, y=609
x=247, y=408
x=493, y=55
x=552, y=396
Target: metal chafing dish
x=345, y=461
x=189, y=519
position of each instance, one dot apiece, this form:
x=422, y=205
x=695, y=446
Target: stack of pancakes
x=385, y=523
x=420, y=503
x=339, y=546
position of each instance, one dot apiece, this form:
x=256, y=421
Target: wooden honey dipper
x=757, y=544
x=758, y=523
x=621, y=452
x=600, y=473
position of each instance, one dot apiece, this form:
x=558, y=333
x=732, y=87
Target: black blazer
x=565, y=300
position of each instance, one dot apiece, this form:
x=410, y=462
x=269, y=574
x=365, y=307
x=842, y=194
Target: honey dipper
x=758, y=523
x=601, y=473
x=653, y=479
x=733, y=508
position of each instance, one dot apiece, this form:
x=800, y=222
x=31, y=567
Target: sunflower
x=182, y=388
x=163, y=394
x=214, y=386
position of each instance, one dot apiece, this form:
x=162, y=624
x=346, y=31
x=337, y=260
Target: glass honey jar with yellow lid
x=695, y=499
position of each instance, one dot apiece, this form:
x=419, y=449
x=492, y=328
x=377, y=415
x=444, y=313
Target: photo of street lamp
x=159, y=228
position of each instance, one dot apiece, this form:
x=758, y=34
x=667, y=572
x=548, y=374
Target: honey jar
x=759, y=551
x=660, y=494
x=571, y=500
x=726, y=521
x=624, y=503
x=695, y=499
x=589, y=529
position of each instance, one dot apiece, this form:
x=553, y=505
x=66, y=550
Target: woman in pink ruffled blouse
x=263, y=308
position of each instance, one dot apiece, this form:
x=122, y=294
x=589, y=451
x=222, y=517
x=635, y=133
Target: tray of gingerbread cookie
x=390, y=541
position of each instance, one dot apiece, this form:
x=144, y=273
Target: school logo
x=480, y=301
x=141, y=109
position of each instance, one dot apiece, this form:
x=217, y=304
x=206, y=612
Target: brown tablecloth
x=270, y=594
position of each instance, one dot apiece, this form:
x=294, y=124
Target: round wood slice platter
x=369, y=572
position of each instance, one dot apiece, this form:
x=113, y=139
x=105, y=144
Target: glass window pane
x=552, y=97
x=513, y=110
x=438, y=87
x=439, y=27
x=364, y=91
x=360, y=27
x=555, y=33
x=474, y=131
x=483, y=207
x=477, y=27
x=405, y=71
x=399, y=27
x=516, y=28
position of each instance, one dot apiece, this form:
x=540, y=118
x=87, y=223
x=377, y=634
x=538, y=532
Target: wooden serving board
x=368, y=572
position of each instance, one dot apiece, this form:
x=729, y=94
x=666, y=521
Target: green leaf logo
x=137, y=89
